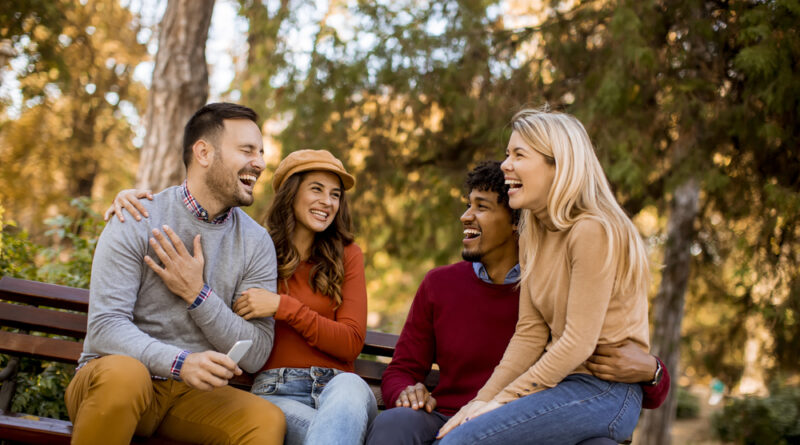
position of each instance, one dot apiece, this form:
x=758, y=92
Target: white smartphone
x=239, y=349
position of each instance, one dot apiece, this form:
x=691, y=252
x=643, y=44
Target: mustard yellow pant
x=113, y=397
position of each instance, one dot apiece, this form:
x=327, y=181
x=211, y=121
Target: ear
x=203, y=153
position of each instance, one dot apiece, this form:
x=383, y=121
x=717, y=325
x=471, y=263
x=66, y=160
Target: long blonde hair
x=580, y=190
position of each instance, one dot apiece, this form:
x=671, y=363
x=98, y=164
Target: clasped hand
x=416, y=397
x=623, y=362
x=182, y=272
x=257, y=303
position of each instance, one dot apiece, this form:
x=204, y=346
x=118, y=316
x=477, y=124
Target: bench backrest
x=42, y=308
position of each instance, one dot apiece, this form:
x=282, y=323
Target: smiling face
x=488, y=231
x=529, y=175
x=238, y=162
x=317, y=201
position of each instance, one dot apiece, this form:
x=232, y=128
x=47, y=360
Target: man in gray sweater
x=151, y=362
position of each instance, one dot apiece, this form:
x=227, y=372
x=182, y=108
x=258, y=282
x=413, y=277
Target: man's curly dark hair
x=488, y=177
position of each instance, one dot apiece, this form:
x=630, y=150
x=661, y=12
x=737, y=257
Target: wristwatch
x=659, y=374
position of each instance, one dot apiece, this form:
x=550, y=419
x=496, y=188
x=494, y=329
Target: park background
x=693, y=107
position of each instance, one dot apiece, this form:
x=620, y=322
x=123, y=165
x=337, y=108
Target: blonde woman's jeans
x=580, y=407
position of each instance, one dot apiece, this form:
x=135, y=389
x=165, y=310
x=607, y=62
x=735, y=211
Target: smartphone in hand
x=239, y=349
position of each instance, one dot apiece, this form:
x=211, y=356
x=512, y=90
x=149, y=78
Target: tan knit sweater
x=568, y=301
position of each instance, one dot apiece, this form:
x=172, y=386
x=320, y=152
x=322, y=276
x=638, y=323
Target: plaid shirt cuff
x=177, y=364
x=201, y=297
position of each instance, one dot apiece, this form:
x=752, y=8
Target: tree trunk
x=81, y=160
x=655, y=426
x=178, y=89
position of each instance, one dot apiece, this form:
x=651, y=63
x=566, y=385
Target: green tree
x=692, y=105
x=72, y=136
x=410, y=95
x=42, y=20
x=694, y=109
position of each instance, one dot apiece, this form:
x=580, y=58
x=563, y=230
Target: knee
x=387, y=424
x=113, y=385
x=399, y=417
x=348, y=382
x=353, y=389
x=378, y=432
x=395, y=425
x=125, y=376
x=351, y=385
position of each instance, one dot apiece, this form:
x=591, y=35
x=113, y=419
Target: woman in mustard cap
x=320, y=309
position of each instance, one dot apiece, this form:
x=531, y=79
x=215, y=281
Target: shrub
x=17, y=252
x=772, y=420
x=68, y=261
x=40, y=388
x=41, y=384
x=688, y=405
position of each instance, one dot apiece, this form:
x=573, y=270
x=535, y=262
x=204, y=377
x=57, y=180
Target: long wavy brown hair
x=327, y=251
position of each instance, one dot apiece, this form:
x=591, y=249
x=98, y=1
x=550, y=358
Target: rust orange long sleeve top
x=309, y=332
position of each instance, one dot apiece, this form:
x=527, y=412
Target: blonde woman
x=584, y=284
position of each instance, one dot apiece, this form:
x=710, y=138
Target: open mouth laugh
x=513, y=184
x=319, y=214
x=248, y=179
x=470, y=234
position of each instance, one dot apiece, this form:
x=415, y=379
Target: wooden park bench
x=29, y=309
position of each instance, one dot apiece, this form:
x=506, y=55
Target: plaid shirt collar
x=198, y=211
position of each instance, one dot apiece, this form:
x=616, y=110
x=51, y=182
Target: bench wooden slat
x=32, y=429
x=379, y=343
x=26, y=428
x=40, y=347
x=43, y=320
x=43, y=294
x=370, y=370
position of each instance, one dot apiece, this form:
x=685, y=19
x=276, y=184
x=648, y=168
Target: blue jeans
x=578, y=408
x=322, y=405
x=405, y=426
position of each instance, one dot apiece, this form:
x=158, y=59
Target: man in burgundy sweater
x=462, y=318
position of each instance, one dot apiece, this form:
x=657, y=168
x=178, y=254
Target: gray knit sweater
x=131, y=311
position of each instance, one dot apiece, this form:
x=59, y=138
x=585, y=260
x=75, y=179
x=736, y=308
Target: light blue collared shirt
x=511, y=277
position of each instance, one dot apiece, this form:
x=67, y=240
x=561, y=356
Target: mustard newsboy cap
x=306, y=160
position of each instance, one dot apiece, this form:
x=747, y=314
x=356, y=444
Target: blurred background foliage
x=67, y=260
x=412, y=93
x=69, y=136
x=771, y=420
